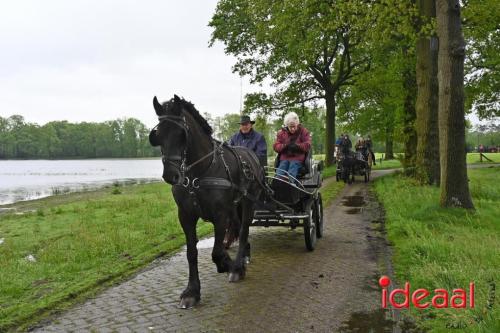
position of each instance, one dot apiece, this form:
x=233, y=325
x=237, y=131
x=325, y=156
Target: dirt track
x=287, y=289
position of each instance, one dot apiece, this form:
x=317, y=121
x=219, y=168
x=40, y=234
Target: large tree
x=454, y=182
x=308, y=49
x=427, y=161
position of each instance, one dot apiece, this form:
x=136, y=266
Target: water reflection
x=33, y=179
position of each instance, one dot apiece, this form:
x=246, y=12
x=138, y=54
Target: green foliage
x=446, y=247
x=60, y=139
x=482, y=35
x=291, y=43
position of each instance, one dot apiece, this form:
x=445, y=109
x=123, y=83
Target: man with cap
x=251, y=139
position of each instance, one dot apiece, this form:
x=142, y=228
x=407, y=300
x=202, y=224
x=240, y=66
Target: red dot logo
x=384, y=281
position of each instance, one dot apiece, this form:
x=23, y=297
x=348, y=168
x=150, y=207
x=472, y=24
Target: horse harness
x=194, y=184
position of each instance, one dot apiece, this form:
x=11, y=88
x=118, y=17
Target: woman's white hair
x=291, y=118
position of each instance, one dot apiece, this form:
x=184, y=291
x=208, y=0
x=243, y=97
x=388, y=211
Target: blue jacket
x=252, y=140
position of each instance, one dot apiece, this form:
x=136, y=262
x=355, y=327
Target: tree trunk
x=427, y=103
x=454, y=182
x=410, y=135
x=389, y=143
x=330, y=127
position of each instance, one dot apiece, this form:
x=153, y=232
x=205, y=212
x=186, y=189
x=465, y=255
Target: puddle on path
x=369, y=322
x=353, y=201
x=206, y=243
x=353, y=211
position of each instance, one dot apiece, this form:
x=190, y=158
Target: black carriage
x=294, y=203
x=362, y=167
x=355, y=163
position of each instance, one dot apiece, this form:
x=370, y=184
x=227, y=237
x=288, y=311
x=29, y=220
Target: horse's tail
x=233, y=229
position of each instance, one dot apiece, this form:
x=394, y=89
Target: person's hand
x=293, y=148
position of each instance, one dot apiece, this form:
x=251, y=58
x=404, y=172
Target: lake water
x=33, y=179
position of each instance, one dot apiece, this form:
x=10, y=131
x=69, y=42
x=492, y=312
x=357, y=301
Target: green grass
x=473, y=158
x=330, y=191
x=83, y=242
x=79, y=246
x=447, y=248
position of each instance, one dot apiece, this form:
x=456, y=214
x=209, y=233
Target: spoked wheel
x=318, y=216
x=310, y=227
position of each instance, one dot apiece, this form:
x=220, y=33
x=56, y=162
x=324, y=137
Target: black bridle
x=183, y=168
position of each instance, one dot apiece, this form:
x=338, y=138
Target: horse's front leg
x=238, y=269
x=191, y=295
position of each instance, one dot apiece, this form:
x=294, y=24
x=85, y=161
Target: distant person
x=337, y=147
x=251, y=139
x=292, y=143
x=360, y=145
x=369, y=145
x=345, y=145
x=339, y=139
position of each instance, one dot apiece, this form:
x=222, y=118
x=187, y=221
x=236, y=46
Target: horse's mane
x=189, y=107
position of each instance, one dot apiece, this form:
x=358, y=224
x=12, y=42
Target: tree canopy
x=61, y=139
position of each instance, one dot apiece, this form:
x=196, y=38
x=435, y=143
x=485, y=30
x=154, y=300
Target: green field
x=472, y=158
x=83, y=242
x=81, y=245
x=447, y=248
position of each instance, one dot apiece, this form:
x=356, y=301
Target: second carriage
x=353, y=164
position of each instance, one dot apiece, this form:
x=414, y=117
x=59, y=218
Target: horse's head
x=171, y=134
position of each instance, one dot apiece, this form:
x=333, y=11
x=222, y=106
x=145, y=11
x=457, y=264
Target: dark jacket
x=301, y=138
x=254, y=141
x=345, y=146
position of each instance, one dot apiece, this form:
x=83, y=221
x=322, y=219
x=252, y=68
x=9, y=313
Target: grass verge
x=330, y=191
x=53, y=255
x=446, y=248
x=66, y=248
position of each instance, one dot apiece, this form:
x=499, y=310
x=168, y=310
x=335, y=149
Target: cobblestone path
x=286, y=289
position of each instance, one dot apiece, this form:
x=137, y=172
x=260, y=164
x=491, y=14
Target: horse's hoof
x=235, y=277
x=188, y=302
x=246, y=260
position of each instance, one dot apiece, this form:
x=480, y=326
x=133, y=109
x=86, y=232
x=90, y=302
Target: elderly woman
x=292, y=144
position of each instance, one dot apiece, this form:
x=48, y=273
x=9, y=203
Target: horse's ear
x=176, y=98
x=153, y=138
x=157, y=106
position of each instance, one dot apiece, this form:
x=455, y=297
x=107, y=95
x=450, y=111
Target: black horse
x=348, y=164
x=210, y=180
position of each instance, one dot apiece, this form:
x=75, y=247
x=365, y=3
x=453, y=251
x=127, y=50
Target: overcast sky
x=98, y=60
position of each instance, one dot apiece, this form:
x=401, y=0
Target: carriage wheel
x=318, y=216
x=310, y=227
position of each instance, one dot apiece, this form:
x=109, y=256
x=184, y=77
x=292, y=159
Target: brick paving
x=286, y=289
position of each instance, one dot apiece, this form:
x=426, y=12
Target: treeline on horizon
x=61, y=139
